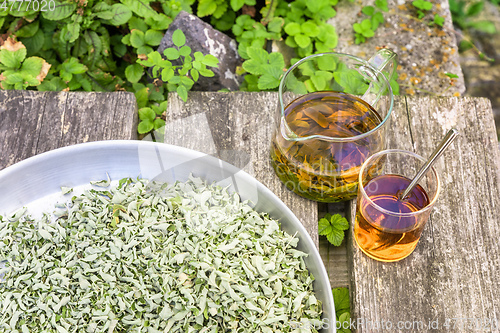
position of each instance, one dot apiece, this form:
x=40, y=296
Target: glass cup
x=330, y=118
x=387, y=228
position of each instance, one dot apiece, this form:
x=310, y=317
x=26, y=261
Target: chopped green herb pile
x=143, y=257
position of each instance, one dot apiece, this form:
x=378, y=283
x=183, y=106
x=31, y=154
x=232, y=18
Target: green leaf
x=368, y=10
x=316, y=5
x=153, y=37
x=70, y=32
x=366, y=25
x=105, y=14
x=137, y=38
x=357, y=28
x=187, y=82
x=268, y=81
x=303, y=41
x=258, y=54
x=253, y=66
x=185, y=51
x=32, y=66
x=142, y=97
x=171, y=53
x=137, y=23
x=158, y=123
x=276, y=59
x=451, y=75
x=182, y=91
x=206, y=72
x=28, y=30
x=145, y=126
x=292, y=28
x=309, y=28
x=94, y=47
x=12, y=59
x=140, y=7
x=335, y=237
x=377, y=19
x=422, y=4
x=134, y=72
x=333, y=228
x=382, y=5
x=237, y=4
x=484, y=26
x=34, y=44
x=167, y=74
x=159, y=22
x=121, y=14
x=194, y=74
x=438, y=20
x=275, y=24
x=206, y=7
x=73, y=66
x=147, y=113
x=475, y=8
x=61, y=11
x=210, y=60
x=341, y=300
x=178, y=38
x=13, y=77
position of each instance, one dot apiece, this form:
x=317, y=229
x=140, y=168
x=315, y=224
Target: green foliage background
x=90, y=45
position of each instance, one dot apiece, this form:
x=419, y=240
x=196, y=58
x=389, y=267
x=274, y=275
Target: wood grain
x=455, y=270
x=33, y=122
x=239, y=126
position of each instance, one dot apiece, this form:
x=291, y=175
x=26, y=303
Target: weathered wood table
x=453, y=274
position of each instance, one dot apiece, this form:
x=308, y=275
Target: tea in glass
x=388, y=228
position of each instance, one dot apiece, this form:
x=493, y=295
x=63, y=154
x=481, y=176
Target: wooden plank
x=238, y=126
x=335, y=257
x=33, y=122
x=455, y=270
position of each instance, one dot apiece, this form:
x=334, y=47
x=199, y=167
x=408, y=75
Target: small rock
x=201, y=37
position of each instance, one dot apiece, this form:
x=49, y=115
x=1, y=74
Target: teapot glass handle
x=384, y=60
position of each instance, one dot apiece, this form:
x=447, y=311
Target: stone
x=202, y=37
x=426, y=52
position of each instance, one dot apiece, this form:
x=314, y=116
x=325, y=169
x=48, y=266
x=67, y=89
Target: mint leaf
x=182, y=91
x=258, y=54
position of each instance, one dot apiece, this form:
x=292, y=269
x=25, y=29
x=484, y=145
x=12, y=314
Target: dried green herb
x=143, y=257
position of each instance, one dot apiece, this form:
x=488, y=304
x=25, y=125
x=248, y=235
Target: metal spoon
x=448, y=139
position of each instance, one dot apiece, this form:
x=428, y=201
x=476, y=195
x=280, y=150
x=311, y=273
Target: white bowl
x=31, y=181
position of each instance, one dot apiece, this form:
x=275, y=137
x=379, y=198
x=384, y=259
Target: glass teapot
x=331, y=117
